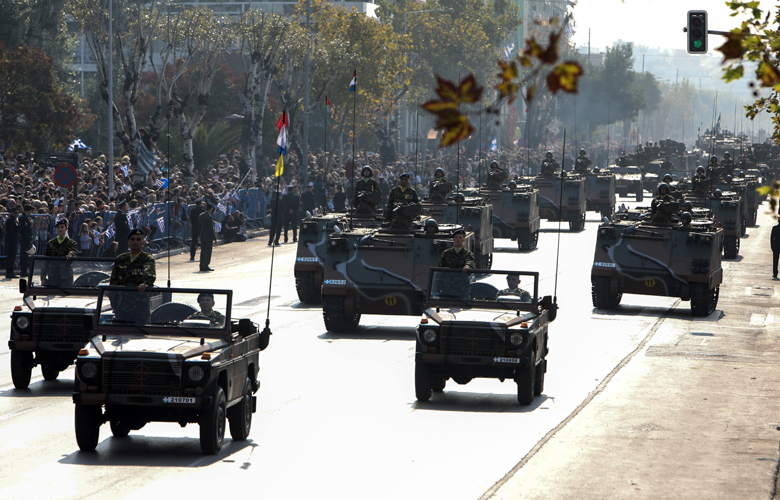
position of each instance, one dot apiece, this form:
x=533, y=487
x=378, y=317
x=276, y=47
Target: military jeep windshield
x=483, y=288
x=164, y=311
x=60, y=274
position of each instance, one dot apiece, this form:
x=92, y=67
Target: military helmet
x=729, y=178
x=714, y=159
x=494, y=162
x=582, y=151
x=663, y=185
x=460, y=198
x=370, y=171
x=726, y=155
x=688, y=205
x=512, y=185
x=718, y=193
x=549, y=153
x=431, y=225
x=686, y=217
x=438, y=171
x=667, y=178
x=699, y=169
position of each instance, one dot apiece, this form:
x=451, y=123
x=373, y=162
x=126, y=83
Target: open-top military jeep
x=186, y=361
x=59, y=297
x=483, y=323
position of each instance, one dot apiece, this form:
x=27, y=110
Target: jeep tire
x=212, y=425
x=21, y=368
x=50, y=371
x=87, y=426
x=240, y=415
x=526, y=384
x=422, y=381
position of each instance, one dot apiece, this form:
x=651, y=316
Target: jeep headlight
x=22, y=322
x=196, y=373
x=88, y=370
x=516, y=338
x=429, y=335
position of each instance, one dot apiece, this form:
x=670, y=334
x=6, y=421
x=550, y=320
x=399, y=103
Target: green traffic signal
x=697, y=31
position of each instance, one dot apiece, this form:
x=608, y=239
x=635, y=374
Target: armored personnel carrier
x=658, y=255
x=600, y=192
x=726, y=210
x=628, y=180
x=493, y=328
x=515, y=213
x=469, y=212
x=382, y=270
x=562, y=197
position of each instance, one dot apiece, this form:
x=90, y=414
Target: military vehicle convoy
x=561, y=198
x=481, y=324
x=188, y=362
x=600, y=192
x=658, y=255
x=515, y=213
x=382, y=270
x=470, y=212
x=726, y=210
x=59, y=296
x=628, y=180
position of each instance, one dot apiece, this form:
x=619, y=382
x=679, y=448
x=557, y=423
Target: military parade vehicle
x=55, y=321
x=312, y=240
x=628, y=180
x=562, y=197
x=726, y=210
x=515, y=213
x=658, y=255
x=470, y=212
x=185, y=361
x=482, y=324
x=382, y=270
x=600, y=192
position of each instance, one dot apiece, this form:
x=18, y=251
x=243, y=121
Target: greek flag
x=161, y=224
x=568, y=30
x=161, y=183
x=494, y=144
x=217, y=227
x=111, y=231
x=146, y=158
x=508, y=50
x=77, y=144
x=124, y=170
x=222, y=206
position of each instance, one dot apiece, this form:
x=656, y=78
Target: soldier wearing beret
x=134, y=268
x=54, y=273
x=457, y=257
x=400, y=194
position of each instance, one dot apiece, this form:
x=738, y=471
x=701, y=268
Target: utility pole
x=306, y=93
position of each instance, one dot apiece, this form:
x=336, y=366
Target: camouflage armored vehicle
x=570, y=205
x=515, y=214
x=628, y=180
x=312, y=238
x=483, y=324
x=748, y=195
x=381, y=271
x=600, y=192
x=188, y=362
x=59, y=296
x=469, y=212
x=727, y=212
x=658, y=256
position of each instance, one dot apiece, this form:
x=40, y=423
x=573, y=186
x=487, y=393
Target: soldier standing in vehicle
x=582, y=163
x=400, y=194
x=59, y=274
x=134, y=268
x=456, y=257
x=365, y=185
x=438, y=179
x=513, y=288
x=549, y=165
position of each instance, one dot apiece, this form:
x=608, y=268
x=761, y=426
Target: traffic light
x=697, y=31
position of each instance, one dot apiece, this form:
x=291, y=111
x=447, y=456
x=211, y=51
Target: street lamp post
x=405, y=128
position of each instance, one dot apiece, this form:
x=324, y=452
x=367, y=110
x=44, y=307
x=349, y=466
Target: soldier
x=207, y=237
x=549, y=165
x=365, y=185
x=685, y=219
x=582, y=163
x=496, y=175
x=774, y=241
x=439, y=180
x=194, y=214
x=134, y=268
x=663, y=194
x=59, y=274
x=667, y=164
x=728, y=163
x=456, y=257
x=25, y=239
x=206, y=303
x=622, y=160
x=513, y=288
x=400, y=194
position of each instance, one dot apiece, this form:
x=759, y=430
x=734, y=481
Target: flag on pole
x=77, y=144
x=110, y=231
x=222, y=206
x=327, y=101
x=494, y=144
x=508, y=50
x=280, y=166
x=146, y=158
x=353, y=83
x=282, y=125
x=124, y=170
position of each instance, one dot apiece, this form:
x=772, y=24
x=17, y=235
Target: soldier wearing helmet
x=685, y=219
x=400, y=194
x=439, y=186
x=582, y=162
x=622, y=160
x=364, y=186
x=664, y=195
x=496, y=175
x=549, y=165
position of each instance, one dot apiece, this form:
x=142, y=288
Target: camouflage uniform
x=456, y=284
x=59, y=274
x=524, y=296
x=364, y=186
x=397, y=196
x=549, y=166
x=216, y=318
x=132, y=271
x=581, y=164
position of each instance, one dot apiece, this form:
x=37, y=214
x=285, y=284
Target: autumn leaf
x=550, y=56
x=450, y=119
x=768, y=74
x=564, y=77
x=529, y=93
x=506, y=87
x=732, y=49
x=455, y=124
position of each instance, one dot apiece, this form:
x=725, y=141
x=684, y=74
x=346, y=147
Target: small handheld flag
x=161, y=183
x=327, y=101
x=125, y=171
x=353, y=83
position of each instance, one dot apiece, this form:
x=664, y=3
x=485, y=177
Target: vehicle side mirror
x=22, y=285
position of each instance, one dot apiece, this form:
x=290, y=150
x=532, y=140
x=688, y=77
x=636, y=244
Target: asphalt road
x=337, y=417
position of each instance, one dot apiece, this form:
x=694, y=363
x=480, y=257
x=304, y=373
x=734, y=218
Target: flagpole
x=479, y=151
x=354, y=160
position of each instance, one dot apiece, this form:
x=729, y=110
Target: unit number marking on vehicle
x=307, y=259
x=335, y=282
x=178, y=400
x=390, y=300
x=604, y=264
x=650, y=282
x=507, y=360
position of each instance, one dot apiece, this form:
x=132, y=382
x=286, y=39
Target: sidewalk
x=694, y=412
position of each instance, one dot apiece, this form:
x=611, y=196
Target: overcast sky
x=655, y=23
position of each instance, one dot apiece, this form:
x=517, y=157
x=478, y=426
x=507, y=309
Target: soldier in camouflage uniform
x=364, y=186
x=513, y=288
x=549, y=165
x=439, y=180
x=582, y=163
x=457, y=257
x=133, y=269
x=59, y=273
x=400, y=195
x=207, y=312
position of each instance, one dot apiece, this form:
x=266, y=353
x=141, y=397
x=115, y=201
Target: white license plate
x=178, y=400
x=507, y=360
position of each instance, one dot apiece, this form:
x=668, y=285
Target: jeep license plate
x=179, y=400
x=506, y=360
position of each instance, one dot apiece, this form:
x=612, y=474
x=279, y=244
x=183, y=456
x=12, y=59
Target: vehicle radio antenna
x=167, y=212
x=560, y=208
